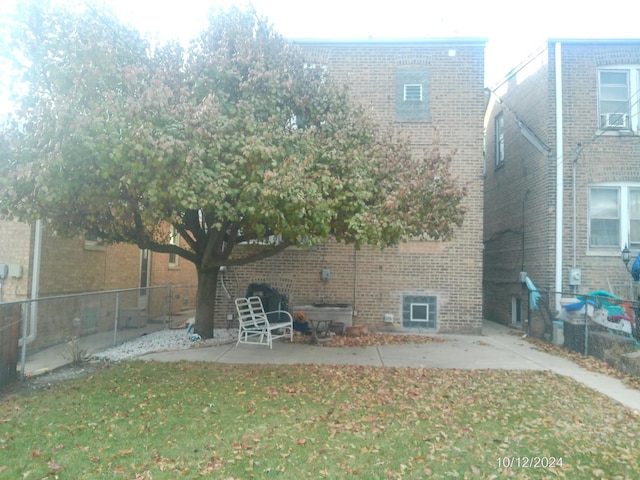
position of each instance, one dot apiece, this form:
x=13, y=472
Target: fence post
x=25, y=315
x=115, y=320
x=165, y=306
x=528, y=297
x=586, y=325
x=9, y=333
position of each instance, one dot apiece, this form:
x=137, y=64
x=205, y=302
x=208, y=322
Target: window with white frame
x=499, y=125
x=614, y=216
x=618, y=97
x=634, y=217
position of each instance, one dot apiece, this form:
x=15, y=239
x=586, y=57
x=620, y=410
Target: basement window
x=419, y=311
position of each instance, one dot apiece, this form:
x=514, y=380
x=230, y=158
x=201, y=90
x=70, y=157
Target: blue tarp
x=635, y=269
x=600, y=298
x=534, y=295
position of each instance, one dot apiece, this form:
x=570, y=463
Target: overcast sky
x=514, y=29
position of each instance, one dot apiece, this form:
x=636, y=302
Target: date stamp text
x=529, y=462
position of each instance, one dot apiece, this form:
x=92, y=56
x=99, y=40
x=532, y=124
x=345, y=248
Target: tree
x=236, y=142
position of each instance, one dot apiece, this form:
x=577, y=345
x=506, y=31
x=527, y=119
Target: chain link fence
x=67, y=329
x=598, y=323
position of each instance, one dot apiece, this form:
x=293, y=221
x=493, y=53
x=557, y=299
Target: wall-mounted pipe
x=223, y=269
x=35, y=285
x=559, y=173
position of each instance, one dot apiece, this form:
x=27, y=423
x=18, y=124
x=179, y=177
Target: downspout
x=35, y=285
x=574, y=247
x=559, y=174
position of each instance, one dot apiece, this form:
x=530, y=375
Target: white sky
x=514, y=29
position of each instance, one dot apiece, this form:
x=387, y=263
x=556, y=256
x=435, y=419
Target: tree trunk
x=206, y=303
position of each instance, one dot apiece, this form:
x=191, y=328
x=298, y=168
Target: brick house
x=424, y=285
x=562, y=187
x=418, y=285
x=66, y=266
x=69, y=266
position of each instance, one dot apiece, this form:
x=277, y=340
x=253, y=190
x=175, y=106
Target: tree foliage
x=233, y=140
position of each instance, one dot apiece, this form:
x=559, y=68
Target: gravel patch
x=153, y=342
x=163, y=341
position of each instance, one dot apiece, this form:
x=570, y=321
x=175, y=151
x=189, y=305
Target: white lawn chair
x=254, y=325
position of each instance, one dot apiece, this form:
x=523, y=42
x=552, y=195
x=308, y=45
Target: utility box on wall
x=15, y=270
x=575, y=277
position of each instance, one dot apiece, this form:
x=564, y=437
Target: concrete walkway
x=498, y=348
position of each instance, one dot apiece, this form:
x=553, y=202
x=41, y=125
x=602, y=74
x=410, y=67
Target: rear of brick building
x=425, y=285
x=562, y=191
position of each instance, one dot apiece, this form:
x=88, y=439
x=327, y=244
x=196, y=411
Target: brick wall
x=519, y=201
x=520, y=197
x=373, y=281
x=16, y=241
x=603, y=157
x=68, y=266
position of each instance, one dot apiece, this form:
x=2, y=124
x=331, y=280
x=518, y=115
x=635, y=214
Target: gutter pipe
x=35, y=287
x=559, y=174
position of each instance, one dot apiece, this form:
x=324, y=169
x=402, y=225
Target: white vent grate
x=413, y=93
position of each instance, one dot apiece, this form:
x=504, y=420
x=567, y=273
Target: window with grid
x=618, y=98
x=614, y=216
x=604, y=217
x=634, y=217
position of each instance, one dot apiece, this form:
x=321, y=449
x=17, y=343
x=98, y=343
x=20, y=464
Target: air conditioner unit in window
x=614, y=120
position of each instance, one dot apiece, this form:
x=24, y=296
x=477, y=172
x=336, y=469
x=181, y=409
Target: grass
x=143, y=420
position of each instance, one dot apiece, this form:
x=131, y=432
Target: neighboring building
x=421, y=284
x=69, y=266
x=46, y=266
x=562, y=188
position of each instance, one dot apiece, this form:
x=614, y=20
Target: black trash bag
x=271, y=300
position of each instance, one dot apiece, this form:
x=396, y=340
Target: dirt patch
x=47, y=381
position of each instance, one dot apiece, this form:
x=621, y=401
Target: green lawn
x=143, y=420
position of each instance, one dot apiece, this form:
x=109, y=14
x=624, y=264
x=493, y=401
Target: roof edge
x=453, y=41
x=594, y=40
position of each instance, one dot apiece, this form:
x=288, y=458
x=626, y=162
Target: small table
x=320, y=330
